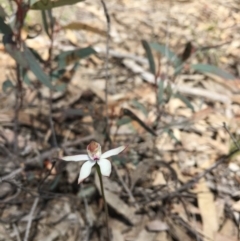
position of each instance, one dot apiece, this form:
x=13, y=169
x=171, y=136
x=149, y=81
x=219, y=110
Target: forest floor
x=178, y=178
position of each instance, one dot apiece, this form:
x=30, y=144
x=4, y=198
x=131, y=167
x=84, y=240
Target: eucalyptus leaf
x=185, y=100
x=149, y=56
x=211, y=69
x=27, y=60
x=165, y=51
x=26, y=79
x=160, y=92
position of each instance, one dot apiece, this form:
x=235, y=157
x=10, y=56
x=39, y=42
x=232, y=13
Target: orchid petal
x=105, y=167
x=113, y=152
x=85, y=170
x=76, y=158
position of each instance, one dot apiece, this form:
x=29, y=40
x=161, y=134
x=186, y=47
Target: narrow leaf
x=68, y=57
x=149, y=56
x=45, y=23
x=49, y=4
x=184, y=100
x=26, y=59
x=26, y=79
x=167, y=53
x=211, y=69
x=160, y=92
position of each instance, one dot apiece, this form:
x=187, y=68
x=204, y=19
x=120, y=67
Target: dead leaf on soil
x=208, y=210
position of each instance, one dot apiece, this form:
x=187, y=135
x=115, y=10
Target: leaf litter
x=158, y=192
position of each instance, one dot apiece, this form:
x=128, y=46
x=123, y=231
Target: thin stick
x=232, y=137
x=191, y=182
x=125, y=187
x=106, y=61
x=52, y=22
x=30, y=218
x=105, y=202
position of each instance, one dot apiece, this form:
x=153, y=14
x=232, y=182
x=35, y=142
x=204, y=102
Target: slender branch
x=52, y=23
x=106, y=67
x=104, y=199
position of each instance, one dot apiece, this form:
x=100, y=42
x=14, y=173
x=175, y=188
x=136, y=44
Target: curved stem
x=104, y=199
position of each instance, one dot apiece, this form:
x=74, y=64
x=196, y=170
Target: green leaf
x=140, y=106
x=184, y=100
x=160, y=92
x=68, y=57
x=165, y=51
x=149, y=56
x=26, y=79
x=37, y=56
x=49, y=4
x=57, y=74
x=45, y=23
x=4, y=28
x=26, y=59
x=207, y=68
x=35, y=67
x=7, y=84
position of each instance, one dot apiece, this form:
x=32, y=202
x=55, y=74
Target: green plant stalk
x=104, y=199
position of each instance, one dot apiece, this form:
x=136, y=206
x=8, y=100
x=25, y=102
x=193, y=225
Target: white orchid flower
x=94, y=156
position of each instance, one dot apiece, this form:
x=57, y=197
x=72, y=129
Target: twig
x=11, y=175
x=51, y=36
x=106, y=61
x=191, y=182
x=30, y=218
x=232, y=137
x=125, y=187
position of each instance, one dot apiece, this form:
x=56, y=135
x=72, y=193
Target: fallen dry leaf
x=208, y=210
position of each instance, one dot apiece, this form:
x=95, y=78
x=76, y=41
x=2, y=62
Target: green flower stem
x=104, y=199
